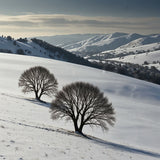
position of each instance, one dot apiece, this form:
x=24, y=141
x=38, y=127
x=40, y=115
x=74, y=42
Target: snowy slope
x=138, y=55
x=133, y=48
x=39, y=48
x=29, y=47
x=149, y=57
x=91, y=44
x=134, y=52
x=101, y=43
x=28, y=133
x=63, y=40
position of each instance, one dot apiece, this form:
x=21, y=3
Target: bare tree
x=84, y=104
x=38, y=80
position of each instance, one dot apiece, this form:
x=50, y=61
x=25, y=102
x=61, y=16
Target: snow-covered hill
x=150, y=59
x=91, y=44
x=119, y=46
x=63, y=40
x=148, y=54
x=28, y=133
x=101, y=43
x=139, y=54
x=38, y=48
x=29, y=47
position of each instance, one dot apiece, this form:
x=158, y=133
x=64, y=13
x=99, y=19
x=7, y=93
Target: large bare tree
x=84, y=104
x=38, y=80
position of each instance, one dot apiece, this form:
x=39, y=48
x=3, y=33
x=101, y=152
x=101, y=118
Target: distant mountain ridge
x=63, y=40
x=99, y=42
x=133, y=48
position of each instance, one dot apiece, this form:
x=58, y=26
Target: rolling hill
x=133, y=48
x=39, y=48
x=28, y=133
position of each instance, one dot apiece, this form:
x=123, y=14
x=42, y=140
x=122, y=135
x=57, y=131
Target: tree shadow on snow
x=32, y=100
x=93, y=139
x=41, y=103
x=124, y=148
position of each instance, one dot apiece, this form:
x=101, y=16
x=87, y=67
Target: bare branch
x=38, y=80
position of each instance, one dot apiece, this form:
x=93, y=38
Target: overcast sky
x=23, y=18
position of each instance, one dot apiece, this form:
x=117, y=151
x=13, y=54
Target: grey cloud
x=18, y=23
x=89, y=22
x=51, y=21
x=66, y=23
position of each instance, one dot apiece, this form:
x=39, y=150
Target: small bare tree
x=38, y=80
x=84, y=104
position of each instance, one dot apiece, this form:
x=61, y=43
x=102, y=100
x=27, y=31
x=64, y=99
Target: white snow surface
x=29, y=48
x=105, y=42
x=28, y=133
x=133, y=48
x=150, y=53
x=64, y=40
x=136, y=54
x=140, y=58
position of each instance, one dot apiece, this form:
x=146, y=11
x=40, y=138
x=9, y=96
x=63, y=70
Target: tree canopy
x=84, y=104
x=38, y=80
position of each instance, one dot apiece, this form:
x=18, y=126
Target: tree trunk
x=80, y=129
x=77, y=129
x=75, y=126
x=37, y=97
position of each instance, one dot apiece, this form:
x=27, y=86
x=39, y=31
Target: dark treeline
x=5, y=51
x=63, y=54
x=133, y=70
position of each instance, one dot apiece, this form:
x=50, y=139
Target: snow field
x=28, y=133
